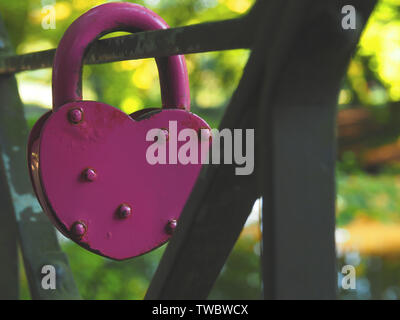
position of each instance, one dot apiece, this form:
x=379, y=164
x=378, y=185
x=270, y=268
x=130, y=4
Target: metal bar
x=36, y=234
x=297, y=126
x=220, y=201
x=228, y=34
x=9, y=277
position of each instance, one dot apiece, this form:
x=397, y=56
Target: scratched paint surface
x=21, y=201
x=115, y=146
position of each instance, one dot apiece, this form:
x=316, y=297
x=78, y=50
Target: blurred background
x=368, y=167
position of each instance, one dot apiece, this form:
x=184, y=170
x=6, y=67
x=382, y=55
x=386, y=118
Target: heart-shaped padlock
x=87, y=159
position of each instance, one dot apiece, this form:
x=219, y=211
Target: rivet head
x=205, y=134
x=89, y=174
x=75, y=115
x=163, y=135
x=171, y=226
x=78, y=229
x=124, y=211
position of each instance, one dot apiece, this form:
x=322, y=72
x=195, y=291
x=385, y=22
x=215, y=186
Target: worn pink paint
x=63, y=145
x=115, y=145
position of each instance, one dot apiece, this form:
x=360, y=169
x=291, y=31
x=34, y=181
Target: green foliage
x=348, y=164
x=360, y=194
x=130, y=86
x=377, y=277
x=240, y=278
x=101, y=278
x=373, y=81
x=373, y=78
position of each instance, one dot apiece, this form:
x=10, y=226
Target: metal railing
x=287, y=93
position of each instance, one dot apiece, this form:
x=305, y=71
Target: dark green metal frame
x=288, y=93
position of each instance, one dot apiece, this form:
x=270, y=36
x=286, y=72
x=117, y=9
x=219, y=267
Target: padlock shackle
x=107, y=18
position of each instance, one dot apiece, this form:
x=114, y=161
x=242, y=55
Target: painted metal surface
x=37, y=239
x=194, y=38
x=87, y=160
x=95, y=214
x=97, y=22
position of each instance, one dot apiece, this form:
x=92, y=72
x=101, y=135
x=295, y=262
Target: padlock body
x=113, y=145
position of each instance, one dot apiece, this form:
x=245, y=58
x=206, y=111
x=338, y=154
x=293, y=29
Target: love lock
x=87, y=159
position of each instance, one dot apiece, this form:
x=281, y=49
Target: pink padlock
x=87, y=159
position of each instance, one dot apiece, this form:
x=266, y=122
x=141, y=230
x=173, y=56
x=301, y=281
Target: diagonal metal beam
x=37, y=237
x=288, y=93
x=220, y=201
x=9, y=266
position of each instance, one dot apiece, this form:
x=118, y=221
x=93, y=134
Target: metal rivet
x=205, y=134
x=124, y=211
x=78, y=229
x=171, y=226
x=75, y=115
x=89, y=174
